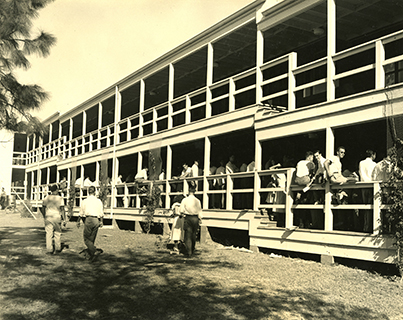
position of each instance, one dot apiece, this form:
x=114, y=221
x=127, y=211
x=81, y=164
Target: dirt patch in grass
x=137, y=278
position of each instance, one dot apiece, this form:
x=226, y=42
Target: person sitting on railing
x=334, y=171
x=366, y=168
x=304, y=174
x=141, y=175
x=304, y=177
x=320, y=174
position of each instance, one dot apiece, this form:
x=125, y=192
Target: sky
x=100, y=42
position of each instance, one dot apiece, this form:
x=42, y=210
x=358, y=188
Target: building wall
x=6, y=159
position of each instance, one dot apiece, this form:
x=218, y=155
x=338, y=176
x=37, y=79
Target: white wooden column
x=97, y=170
x=84, y=122
x=209, y=80
x=331, y=49
x=50, y=132
x=168, y=176
x=207, y=153
x=328, y=194
x=258, y=167
x=230, y=186
x=231, y=94
x=259, y=63
x=187, y=109
x=379, y=71
x=289, y=214
x=141, y=107
x=292, y=64
x=99, y=116
x=376, y=216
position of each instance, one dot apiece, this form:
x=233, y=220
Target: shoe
x=49, y=252
x=57, y=252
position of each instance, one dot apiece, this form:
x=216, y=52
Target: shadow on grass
x=146, y=284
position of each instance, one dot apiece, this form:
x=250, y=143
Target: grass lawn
x=135, y=278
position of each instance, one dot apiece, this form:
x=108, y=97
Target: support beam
x=331, y=49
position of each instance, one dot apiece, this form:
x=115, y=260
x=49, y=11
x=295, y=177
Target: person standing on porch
x=53, y=212
x=366, y=168
x=93, y=212
x=192, y=211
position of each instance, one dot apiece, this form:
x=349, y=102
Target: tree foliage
x=393, y=196
x=17, y=41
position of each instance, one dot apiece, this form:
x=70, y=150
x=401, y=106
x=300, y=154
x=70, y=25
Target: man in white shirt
x=383, y=169
x=305, y=169
x=366, y=168
x=195, y=171
x=191, y=209
x=79, y=182
x=320, y=174
x=87, y=182
x=333, y=168
x=93, y=211
x=53, y=206
x=142, y=174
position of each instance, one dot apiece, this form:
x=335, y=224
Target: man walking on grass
x=53, y=212
x=191, y=209
x=93, y=212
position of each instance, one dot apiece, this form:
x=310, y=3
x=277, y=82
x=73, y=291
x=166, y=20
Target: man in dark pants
x=191, y=209
x=93, y=211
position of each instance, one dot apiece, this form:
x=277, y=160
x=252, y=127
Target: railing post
x=289, y=215
x=377, y=199
x=256, y=186
x=328, y=211
x=331, y=49
x=229, y=187
x=292, y=64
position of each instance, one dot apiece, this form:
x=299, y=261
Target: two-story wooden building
x=270, y=82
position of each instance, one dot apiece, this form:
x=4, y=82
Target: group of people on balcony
x=315, y=169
